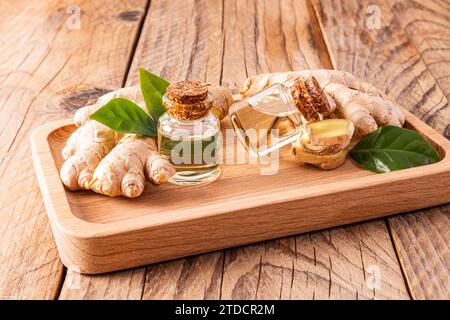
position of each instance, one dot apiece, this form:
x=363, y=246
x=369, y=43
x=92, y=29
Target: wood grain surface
x=41, y=60
x=427, y=265
x=93, y=235
x=427, y=26
x=388, y=58
x=189, y=46
x=280, y=36
x=250, y=43
x=49, y=71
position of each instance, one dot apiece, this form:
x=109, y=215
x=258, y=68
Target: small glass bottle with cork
x=278, y=115
x=189, y=133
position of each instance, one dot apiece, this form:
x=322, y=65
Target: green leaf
x=125, y=116
x=153, y=88
x=392, y=148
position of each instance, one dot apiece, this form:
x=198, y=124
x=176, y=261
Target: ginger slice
x=326, y=145
x=331, y=132
x=323, y=161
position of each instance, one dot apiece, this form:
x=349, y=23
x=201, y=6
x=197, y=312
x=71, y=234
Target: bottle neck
x=286, y=96
x=188, y=129
x=192, y=122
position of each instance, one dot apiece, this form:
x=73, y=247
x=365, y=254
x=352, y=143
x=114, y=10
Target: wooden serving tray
x=96, y=234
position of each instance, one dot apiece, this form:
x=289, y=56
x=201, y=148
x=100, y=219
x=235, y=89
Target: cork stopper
x=310, y=99
x=187, y=92
x=187, y=100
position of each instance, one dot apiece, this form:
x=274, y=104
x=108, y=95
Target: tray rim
x=61, y=216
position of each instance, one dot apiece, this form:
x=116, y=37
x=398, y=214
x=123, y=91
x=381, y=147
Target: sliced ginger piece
x=332, y=135
x=326, y=145
x=322, y=150
x=331, y=132
x=323, y=161
x=338, y=161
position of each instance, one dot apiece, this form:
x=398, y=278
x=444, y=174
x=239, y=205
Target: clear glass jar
x=192, y=146
x=278, y=115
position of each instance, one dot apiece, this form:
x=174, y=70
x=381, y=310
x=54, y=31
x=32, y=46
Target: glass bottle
x=278, y=115
x=189, y=133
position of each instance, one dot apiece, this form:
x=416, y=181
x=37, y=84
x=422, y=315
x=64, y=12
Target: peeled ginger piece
x=331, y=132
x=326, y=144
x=323, y=161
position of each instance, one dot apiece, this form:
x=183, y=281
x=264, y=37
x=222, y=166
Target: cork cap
x=187, y=100
x=310, y=99
x=187, y=92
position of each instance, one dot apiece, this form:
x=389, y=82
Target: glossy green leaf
x=153, y=88
x=392, y=148
x=125, y=116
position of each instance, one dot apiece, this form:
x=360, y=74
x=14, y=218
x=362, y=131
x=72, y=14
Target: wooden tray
x=96, y=234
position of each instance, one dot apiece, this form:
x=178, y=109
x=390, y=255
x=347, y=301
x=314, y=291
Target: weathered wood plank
x=179, y=40
x=342, y=263
x=269, y=270
x=423, y=242
x=427, y=25
x=269, y=36
x=120, y=285
x=184, y=42
x=281, y=36
x=197, y=277
x=385, y=57
x=49, y=67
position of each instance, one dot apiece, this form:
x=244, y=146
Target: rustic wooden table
x=51, y=63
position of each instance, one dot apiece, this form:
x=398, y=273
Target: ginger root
x=222, y=100
x=132, y=162
x=107, y=162
x=357, y=101
x=98, y=158
x=84, y=150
